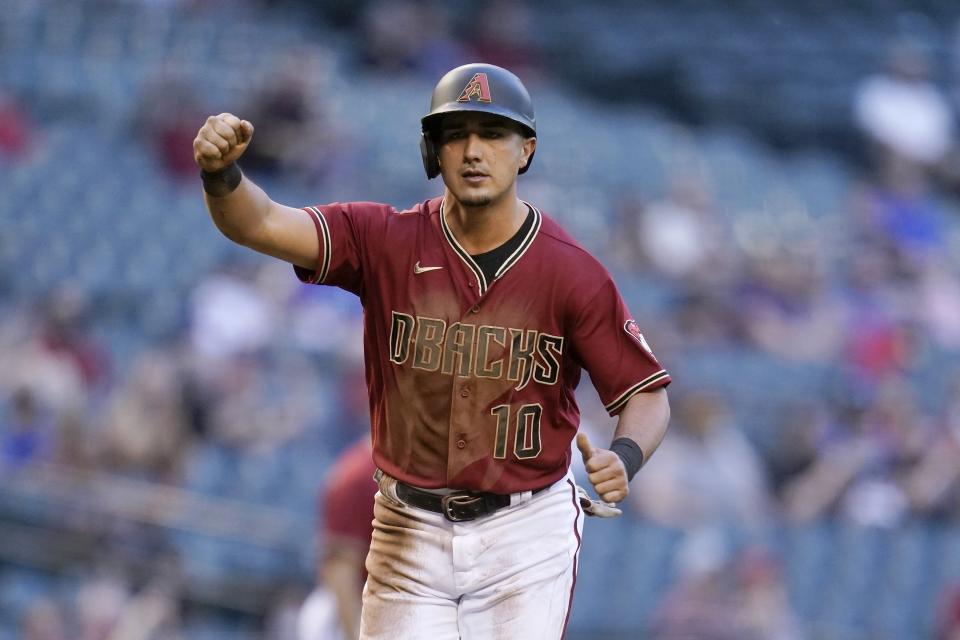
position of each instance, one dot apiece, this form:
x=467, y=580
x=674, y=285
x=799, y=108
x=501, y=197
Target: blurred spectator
x=333, y=609
x=393, y=31
x=229, y=316
x=705, y=316
x=901, y=432
x=763, y=607
x=680, y=235
x=901, y=217
x=859, y=475
x=55, y=382
x=237, y=417
x=786, y=308
x=283, y=620
x=52, y=352
x=903, y=113
x=100, y=604
x=145, y=428
x=26, y=434
x=151, y=614
x=66, y=333
x=939, y=302
x=626, y=250
x=294, y=137
x=411, y=37
x=77, y=443
x=43, y=620
x=168, y=118
x=702, y=602
x=719, y=595
x=441, y=50
x=795, y=447
x=240, y=321
x=878, y=342
x=337, y=312
x=706, y=472
x=933, y=484
x=502, y=33
x=16, y=130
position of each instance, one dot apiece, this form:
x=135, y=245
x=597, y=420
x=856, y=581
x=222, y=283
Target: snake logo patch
x=478, y=88
x=630, y=326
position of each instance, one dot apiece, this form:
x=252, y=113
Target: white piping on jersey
x=514, y=257
x=321, y=274
x=635, y=389
x=511, y=260
x=460, y=251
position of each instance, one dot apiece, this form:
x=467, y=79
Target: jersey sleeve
x=349, y=235
x=614, y=352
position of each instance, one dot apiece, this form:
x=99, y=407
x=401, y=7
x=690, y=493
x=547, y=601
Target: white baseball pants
x=509, y=575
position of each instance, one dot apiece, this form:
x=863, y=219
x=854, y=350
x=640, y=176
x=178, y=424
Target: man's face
x=480, y=155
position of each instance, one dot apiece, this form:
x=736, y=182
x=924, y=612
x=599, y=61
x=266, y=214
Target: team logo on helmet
x=478, y=88
x=630, y=326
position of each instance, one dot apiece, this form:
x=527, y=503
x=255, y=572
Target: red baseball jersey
x=472, y=382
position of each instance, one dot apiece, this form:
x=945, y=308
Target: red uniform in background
x=346, y=524
x=347, y=500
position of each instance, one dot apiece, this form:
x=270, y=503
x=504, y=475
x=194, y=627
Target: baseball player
x=479, y=314
x=333, y=610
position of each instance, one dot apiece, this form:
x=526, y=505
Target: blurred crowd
x=866, y=296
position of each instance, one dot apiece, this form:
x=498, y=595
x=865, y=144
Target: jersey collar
x=511, y=260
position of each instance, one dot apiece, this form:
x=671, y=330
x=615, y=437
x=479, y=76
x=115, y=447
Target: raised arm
x=240, y=209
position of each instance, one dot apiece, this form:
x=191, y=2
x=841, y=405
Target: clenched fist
x=220, y=141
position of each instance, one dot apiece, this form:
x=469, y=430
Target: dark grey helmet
x=477, y=87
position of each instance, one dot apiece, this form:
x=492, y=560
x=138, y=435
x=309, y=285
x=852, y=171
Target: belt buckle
x=451, y=501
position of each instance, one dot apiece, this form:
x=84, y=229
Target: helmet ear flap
x=428, y=153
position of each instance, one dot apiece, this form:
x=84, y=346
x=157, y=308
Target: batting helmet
x=483, y=88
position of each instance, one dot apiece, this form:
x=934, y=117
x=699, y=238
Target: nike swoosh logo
x=418, y=269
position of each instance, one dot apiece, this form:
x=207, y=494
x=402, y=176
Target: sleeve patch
x=630, y=326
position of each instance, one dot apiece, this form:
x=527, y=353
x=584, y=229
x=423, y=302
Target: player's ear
x=529, y=147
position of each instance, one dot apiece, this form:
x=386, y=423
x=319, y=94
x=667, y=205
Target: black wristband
x=222, y=182
x=630, y=453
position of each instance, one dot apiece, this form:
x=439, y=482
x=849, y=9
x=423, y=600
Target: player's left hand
x=596, y=508
x=605, y=470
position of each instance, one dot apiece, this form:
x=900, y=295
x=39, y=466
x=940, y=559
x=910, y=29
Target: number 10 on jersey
x=526, y=425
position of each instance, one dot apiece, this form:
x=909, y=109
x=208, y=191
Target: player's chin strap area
x=597, y=508
x=456, y=506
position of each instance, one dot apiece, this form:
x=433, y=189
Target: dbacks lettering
x=466, y=350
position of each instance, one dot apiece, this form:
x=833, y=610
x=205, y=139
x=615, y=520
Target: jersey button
x=476, y=309
x=464, y=392
x=461, y=444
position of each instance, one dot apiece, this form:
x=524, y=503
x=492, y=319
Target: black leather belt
x=459, y=506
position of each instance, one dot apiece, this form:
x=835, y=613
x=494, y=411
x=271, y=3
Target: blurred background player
x=332, y=611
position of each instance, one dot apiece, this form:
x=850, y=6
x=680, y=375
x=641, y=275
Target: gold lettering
x=428, y=345
x=550, y=349
x=484, y=335
x=400, y=330
x=523, y=344
x=458, y=346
